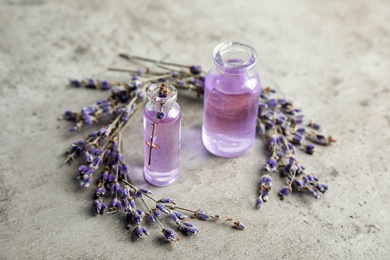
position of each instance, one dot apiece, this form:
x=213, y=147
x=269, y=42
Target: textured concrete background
x=331, y=57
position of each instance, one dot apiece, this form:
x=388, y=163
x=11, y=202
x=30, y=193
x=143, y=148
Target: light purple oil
x=164, y=167
x=230, y=113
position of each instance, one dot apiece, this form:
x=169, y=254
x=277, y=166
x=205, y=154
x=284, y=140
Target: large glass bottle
x=231, y=99
x=162, y=125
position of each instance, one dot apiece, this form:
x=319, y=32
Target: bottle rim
x=153, y=93
x=234, y=56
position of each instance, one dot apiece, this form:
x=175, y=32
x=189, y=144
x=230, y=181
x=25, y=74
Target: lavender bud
x=300, y=184
x=169, y=234
x=73, y=129
x=105, y=85
x=322, y=187
x=180, y=215
x=76, y=83
x=88, y=157
x=301, y=130
x=284, y=192
x=167, y=200
x=175, y=218
x=151, y=218
x=310, y=179
x=104, y=176
x=271, y=165
x=162, y=208
x=314, y=193
x=111, y=177
x=269, y=125
x=156, y=213
x=132, y=203
x=309, y=149
x=239, y=225
x=136, y=218
x=97, y=161
x=195, y=69
x=216, y=217
x=127, y=205
x=100, y=206
x=200, y=214
x=146, y=191
x=69, y=115
x=140, y=212
x=266, y=181
x=272, y=103
x=101, y=191
x=91, y=84
x=265, y=195
x=259, y=203
x=297, y=139
x=115, y=187
x=271, y=143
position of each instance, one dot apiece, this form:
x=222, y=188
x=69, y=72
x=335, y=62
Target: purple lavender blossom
x=91, y=83
x=175, y=218
x=188, y=228
x=239, y=225
x=310, y=179
x=300, y=184
x=167, y=200
x=266, y=181
x=259, y=202
x=139, y=231
x=100, y=206
x=100, y=192
x=75, y=82
x=309, y=149
x=195, y=69
x=156, y=213
x=180, y=215
x=105, y=85
x=115, y=187
x=265, y=195
x=313, y=192
x=69, y=115
x=162, y=208
x=146, y=191
x=169, y=234
x=117, y=204
x=284, y=192
x=151, y=218
x=271, y=165
x=322, y=187
x=200, y=214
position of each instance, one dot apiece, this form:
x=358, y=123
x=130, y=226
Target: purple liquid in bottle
x=162, y=124
x=231, y=101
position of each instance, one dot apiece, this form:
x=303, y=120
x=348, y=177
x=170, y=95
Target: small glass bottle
x=162, y=126
x=231, y=99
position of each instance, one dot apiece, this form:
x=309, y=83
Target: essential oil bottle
x=231, y=99
x=162, y=126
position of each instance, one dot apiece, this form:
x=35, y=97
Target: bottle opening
x=164, y=93
x=234, y=56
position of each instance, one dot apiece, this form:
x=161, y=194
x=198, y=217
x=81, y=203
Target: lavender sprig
x=279, y=122
x=103, y=154
x=282, y=126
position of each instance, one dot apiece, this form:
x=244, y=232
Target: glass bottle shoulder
x=229, y=83
x=171, y=114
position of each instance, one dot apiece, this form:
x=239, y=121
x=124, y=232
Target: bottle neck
x=234, y=57
x=162, y=96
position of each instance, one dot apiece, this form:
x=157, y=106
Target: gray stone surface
x=331, y=57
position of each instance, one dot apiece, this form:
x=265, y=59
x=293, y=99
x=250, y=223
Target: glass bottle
x=162, y=126
x=231, y=99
